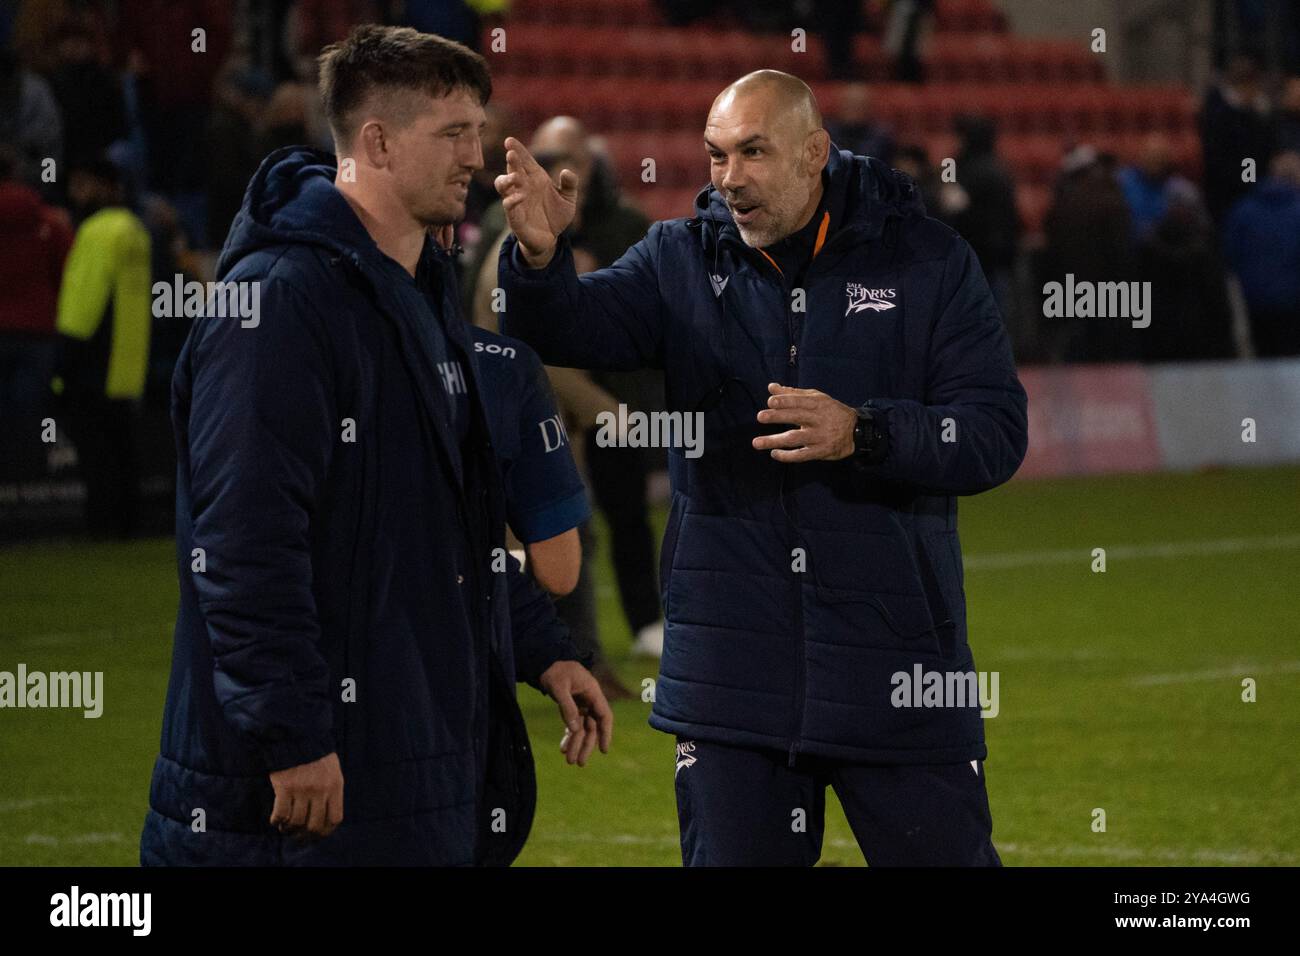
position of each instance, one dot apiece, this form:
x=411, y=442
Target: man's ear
x=373, y=140
x=819, y=150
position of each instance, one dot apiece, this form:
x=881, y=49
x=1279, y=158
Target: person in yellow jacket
x=104, y=320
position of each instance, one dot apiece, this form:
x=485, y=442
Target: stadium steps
x=648, y=104
x=1034, y=158
x=646, y=88
x=666, y=53
x=951, y=16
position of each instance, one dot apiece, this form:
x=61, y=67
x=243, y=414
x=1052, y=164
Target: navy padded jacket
x=794, y=593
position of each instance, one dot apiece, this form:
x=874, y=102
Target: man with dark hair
x=853, y=377
x=351, y=627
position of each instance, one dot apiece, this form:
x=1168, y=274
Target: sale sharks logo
x=862, y=298
x=685, y=755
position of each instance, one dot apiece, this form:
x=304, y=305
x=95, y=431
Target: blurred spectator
x=30, y=123
x=232, y=147
x=158, y=41
x=1236, y=124
x=1261, y=240
x=314, y=24
x=1191, y=316
x=38, y=24
x=915, y=161
x=837, y=22
x=906, y=29
x=1088, y=235
x=988, y=218
x=606, y=226
x=34, y=242
x=1288, y=117
x=454, y=19
x=853, y=128
x=169, y=254
x=8, y=14
x=1151, y=186
x=104, y=316
x=89, y=94
x=284, y=118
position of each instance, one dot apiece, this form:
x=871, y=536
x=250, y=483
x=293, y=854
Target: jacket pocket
x=942, y=554
x=873, y=588
x=888, y=621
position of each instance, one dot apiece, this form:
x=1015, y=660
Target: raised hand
x=536, y=209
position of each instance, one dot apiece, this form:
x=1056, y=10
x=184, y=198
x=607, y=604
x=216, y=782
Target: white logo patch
x=685, y=750
x=719, y=283
x=861, y=298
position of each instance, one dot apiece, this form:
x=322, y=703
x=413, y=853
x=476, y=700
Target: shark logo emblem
x=685, y=758
x=861, y=298
x=719, y=283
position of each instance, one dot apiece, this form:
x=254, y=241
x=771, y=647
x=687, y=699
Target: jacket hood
x=862, y=193
x=292, y=199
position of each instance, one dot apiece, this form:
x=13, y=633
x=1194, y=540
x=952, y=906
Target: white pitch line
x=1163, y=854
x=67, y=637
x=44, y=839
x=11, y=806
x=1243, y=670
x=1124, y=552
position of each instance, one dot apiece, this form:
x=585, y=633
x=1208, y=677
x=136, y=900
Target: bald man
x=853, y=377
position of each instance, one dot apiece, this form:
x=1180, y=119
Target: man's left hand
x=588, y=720
x=824, y=427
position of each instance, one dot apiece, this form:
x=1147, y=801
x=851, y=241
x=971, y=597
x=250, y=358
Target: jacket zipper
x=796, y=730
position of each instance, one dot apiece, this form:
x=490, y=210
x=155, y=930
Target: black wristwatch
x=870, y=438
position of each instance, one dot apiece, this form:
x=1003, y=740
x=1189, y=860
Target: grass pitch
x=1119, y=690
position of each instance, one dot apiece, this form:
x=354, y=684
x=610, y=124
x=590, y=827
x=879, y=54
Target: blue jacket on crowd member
x=1261, y=242
x=339, y=512
x=796, y=593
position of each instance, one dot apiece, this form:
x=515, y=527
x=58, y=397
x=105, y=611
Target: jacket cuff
x=561, y=649
x=880, y=452
x=522, y=269
x=283, y=754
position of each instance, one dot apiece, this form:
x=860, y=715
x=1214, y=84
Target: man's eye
x=753, y=151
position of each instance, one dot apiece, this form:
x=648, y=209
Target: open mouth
x=744, y=213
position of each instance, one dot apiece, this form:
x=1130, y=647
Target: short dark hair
x=395, y=58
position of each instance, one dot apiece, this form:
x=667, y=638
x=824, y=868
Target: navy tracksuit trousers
x=744, y=807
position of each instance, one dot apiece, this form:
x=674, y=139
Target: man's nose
x=473, y=159
x=731, y=178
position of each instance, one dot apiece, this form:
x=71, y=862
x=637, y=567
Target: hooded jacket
x=803, y=601
x=341, y=583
